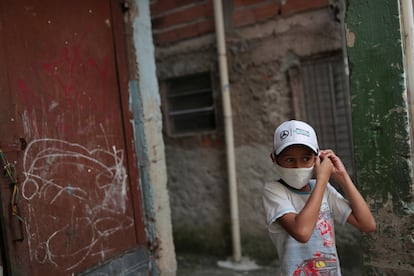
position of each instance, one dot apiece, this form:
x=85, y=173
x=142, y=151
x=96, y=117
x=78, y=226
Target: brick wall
x=176, y=20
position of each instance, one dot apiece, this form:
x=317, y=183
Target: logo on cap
x=284, y=134
x=302, y=132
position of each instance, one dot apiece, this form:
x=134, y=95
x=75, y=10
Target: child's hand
x=338, y=167
x=323, y=167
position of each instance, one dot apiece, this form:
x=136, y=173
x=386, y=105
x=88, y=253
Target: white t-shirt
x=319, y=253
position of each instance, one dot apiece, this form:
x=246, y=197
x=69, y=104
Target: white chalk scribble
x=76, y=199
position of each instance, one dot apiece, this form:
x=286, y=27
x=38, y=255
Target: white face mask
x=295, y=177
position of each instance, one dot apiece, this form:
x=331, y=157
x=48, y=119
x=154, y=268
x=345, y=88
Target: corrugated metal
x=327, y=105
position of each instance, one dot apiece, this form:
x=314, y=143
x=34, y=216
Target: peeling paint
x=382, y=134
x=350, y=38
x=408, y=207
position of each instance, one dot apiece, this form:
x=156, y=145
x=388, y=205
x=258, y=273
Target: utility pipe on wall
x=406, y=10
x=408, y=36
x=408, y=28
x=228, y=124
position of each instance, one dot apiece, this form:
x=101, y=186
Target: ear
x=273, y=157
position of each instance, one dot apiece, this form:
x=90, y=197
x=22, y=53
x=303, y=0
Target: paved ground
x=208, y=266
x=195, y=265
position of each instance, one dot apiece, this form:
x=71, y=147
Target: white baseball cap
x=294, y=133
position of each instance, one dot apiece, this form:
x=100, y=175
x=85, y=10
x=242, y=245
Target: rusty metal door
x=65, y=128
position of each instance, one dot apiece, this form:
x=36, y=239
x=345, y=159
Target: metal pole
x=228, y=123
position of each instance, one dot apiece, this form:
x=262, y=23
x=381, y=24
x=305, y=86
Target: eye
x=289, y=160
x=308, y=159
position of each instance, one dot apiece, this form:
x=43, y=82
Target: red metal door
x=65, y=125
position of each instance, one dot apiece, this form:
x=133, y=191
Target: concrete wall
x=261, y=98
x=145, y=104
x=382, y=133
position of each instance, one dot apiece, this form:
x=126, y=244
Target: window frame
x=169, y=114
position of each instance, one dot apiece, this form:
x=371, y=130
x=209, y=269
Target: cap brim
x=284, y=146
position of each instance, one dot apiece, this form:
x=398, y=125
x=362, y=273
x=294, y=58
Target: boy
x=300, y=210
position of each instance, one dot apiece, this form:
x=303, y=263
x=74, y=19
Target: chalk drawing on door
x=76, y=199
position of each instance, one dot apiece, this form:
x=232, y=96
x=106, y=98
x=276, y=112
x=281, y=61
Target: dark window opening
x=188, y=105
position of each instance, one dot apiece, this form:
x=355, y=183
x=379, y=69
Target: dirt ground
x=191, y=265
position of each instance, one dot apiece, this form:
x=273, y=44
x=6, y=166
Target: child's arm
x=361, y=217
x=300, y=226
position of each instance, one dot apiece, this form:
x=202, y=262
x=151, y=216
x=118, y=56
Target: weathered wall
x=175, y=21
x=381, y=130
x=145, y=104
x=261, y=99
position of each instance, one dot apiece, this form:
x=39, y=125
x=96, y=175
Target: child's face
x=296, y=156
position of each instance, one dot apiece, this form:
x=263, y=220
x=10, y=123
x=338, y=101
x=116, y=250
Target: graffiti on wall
x=76, y=199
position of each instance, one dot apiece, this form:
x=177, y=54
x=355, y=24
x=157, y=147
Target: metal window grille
x=189, y=105
x=327, y=105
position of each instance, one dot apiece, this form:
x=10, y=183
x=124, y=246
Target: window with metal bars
x=188, y=105
x=327, y=104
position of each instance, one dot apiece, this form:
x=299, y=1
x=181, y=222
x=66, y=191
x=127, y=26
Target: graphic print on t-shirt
x=324, y=227
x=321, y=264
